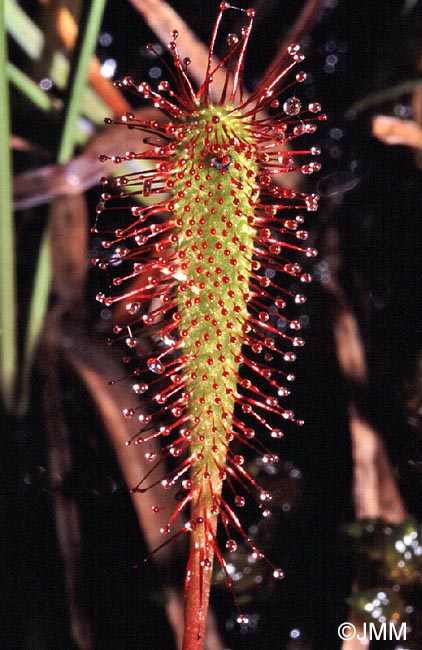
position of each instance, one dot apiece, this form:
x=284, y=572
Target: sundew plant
x=198, y=243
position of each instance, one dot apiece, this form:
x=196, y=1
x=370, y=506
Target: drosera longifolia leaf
x=203, y=270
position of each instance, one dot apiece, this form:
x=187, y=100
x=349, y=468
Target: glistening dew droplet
x=156, y=366
x=292, y=106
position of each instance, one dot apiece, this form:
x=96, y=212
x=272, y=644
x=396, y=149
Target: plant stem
x=8, y=351
x=198, y=591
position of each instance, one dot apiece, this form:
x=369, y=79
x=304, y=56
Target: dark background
x=355, y=49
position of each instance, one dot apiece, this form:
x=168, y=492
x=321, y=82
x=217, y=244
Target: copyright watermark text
x=372, y=632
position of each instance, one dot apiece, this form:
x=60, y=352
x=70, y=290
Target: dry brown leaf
x=42, y=185
x=69, y=249
x=375, y=491
x=95, y=365
x=163, y=19
x=395, y=131
x=67, y=30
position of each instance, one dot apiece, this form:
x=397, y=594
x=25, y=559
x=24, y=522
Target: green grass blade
x=8, y=327
x=37, y=313
x=388, y=94
x=78, y=79
x=29, y=88
x=23, y=30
